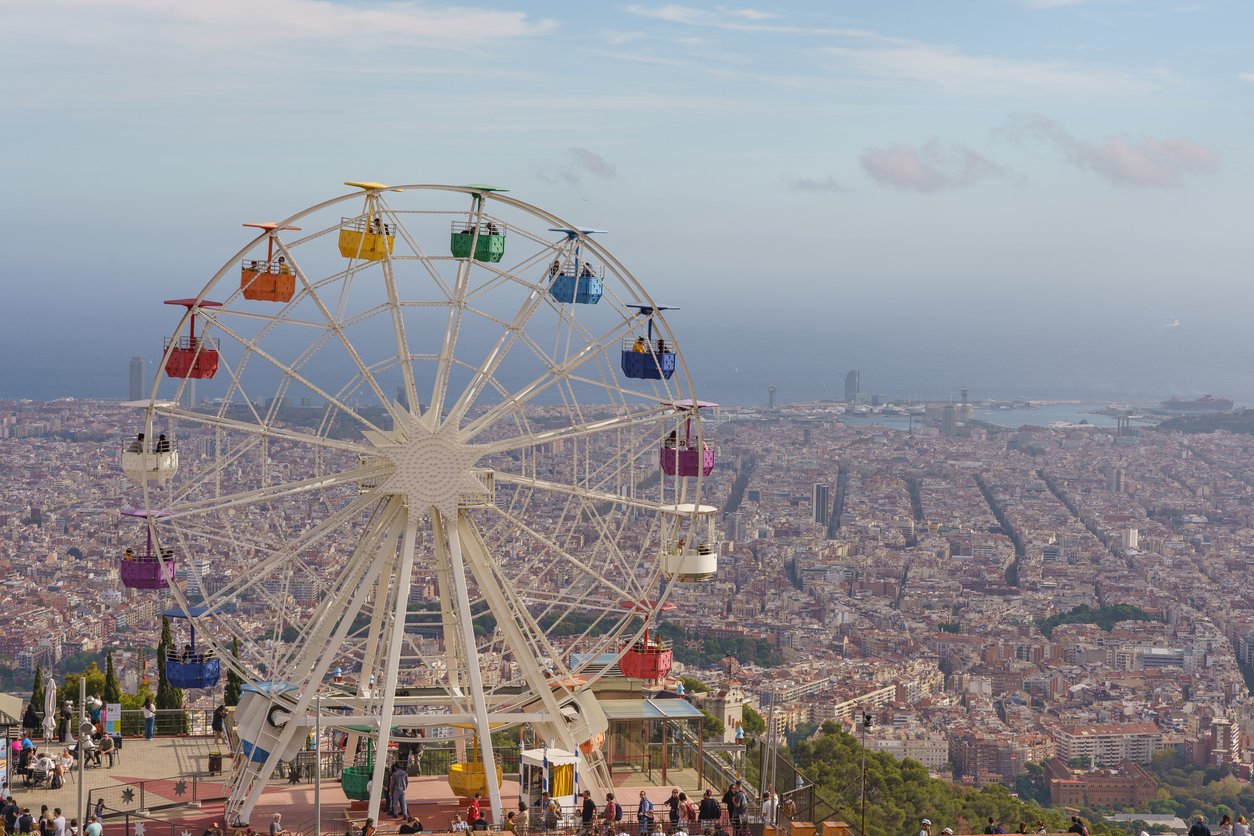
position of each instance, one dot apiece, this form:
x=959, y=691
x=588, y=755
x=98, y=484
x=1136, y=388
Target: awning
x=666, y=709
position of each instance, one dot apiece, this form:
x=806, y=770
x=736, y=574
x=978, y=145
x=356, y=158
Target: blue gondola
x=191, y=667
x=575, y=281
x=645, y=358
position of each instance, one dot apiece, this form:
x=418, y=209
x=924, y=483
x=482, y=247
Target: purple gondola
x=685, y=455
x=154, y=569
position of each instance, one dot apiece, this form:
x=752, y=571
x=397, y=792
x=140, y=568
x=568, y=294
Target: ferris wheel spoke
x=605, y=425
x=556, y=371
x=623, y=594
x=496, y=356
x=261, y=430
x=285, y=552
x=256, y=350
x=521, y=633
x=270, y=493
x=332, y=324
x=583, y=493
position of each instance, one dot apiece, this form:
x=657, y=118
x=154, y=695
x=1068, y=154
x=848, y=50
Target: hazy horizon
x=1022, y=197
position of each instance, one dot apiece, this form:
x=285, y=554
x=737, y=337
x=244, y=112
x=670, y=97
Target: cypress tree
x=234, y=685
x=167, y=695
x=112, y=688
x=37, y=694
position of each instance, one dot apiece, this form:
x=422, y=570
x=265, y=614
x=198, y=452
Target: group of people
x=1077, y=826
x=679, y=815
x=641, y=346
x=585, y=271
x=18, y=819
x=137, y=446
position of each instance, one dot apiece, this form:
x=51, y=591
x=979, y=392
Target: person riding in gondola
x=640, y=346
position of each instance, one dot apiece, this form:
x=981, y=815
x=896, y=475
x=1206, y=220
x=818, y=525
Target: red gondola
x=189, y=356
x=649, y=658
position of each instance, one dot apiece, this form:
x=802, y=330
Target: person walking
x=612, y=815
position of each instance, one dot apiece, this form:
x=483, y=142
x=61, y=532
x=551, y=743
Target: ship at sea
x=1206, y=403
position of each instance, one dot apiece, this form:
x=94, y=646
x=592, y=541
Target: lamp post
x=865, y=724
x=318, y=763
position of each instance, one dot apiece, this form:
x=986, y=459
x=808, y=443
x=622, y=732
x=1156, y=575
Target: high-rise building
x=137, y=378
x=949, y=419
x=1114, y=478
x=853, y=385
x=770, y=397
x=822, y=504
x=733, y=526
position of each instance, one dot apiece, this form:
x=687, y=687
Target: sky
x=1036, y=198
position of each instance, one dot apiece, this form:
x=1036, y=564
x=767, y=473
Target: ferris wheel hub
x=431, y=468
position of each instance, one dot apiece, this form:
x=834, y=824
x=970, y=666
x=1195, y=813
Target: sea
x=1043, y=415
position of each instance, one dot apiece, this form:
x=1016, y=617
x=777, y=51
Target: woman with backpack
x=688, y=811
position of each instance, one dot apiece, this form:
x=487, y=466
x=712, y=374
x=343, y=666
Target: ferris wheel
x=427, y=456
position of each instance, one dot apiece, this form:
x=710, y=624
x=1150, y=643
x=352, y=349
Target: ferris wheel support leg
x=508, y=622
x=387, y=683
x=250, y=780
x=478, y=702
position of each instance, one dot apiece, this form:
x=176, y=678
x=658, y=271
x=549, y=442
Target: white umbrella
x=50, y=706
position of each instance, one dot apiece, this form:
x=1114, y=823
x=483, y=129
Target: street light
x=866, y=721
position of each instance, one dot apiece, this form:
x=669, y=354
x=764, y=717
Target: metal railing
x=131, y=797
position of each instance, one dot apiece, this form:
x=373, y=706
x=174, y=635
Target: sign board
x=113, y=718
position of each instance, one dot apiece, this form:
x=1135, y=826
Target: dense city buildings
x=920, y=595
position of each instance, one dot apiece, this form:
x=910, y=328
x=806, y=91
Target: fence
x=131, y=797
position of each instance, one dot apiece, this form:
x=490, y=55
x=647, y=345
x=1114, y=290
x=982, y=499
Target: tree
x=37, y=693
x=112, y=688
x=168, y=696
x=234, y=685
x=711, y=726
x=1031, y=785
x=753, y=722
x=694, y=686
x=95, y=682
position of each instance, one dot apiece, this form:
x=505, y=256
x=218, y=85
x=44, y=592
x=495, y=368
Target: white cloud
x=932, y=167
x=948, y=67
x=228, y=23
x=1126, y=162
x=1246, y=77
x=742, y=20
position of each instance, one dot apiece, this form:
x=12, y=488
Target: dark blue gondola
x=575, y=282
x=191, y=667
x=644, y=357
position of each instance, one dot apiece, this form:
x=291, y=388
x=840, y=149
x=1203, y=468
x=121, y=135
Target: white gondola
x=691, y=556
x=150, y=461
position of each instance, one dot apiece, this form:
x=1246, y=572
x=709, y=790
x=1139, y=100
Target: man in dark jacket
x=1199, y=828
x=708, y=812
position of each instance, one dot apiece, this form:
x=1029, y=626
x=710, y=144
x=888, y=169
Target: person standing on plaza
x=1199, y=827
x=709, y=812
x=219, y=724
x=644, y=815
x=150, y=718
x=587, y=812
x=612, y=815
x=399, y=784
x=94, y=827
x=672, y=809
x=58, y=823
